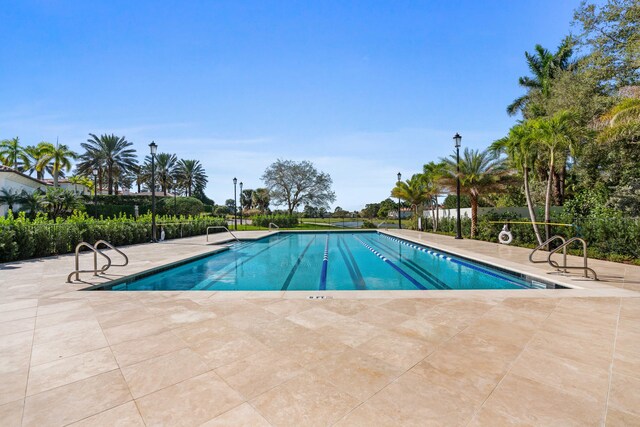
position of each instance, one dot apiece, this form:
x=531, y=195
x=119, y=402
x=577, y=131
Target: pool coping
x=527, y=276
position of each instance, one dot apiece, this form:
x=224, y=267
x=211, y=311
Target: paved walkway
x=522, y=357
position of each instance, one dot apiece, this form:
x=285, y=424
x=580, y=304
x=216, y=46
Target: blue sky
x=363, y=89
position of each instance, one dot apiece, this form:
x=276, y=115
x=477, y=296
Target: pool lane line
x=422, y=272
x=395, y=267
x=229, y=268
x=459, y=262
x=360, y=284
x=325, y=264
x=287, y=281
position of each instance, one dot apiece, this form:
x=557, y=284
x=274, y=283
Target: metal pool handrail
x=222, y=227
x=274, y=225
x=563, y=246
x=109, y=245
x=95, y=270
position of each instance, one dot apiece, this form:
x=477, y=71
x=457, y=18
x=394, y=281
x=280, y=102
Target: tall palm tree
x=544, y=66
x=191, y=175
x=413, y=191
x=480, y=173
x=12, y=153
x=33, y=163
x=165, y=165
x=246, y=199
x=556, y=134
x=433, y=173
x=59, y=156
x=622, y=122
x=521, y=149
x=106, y=153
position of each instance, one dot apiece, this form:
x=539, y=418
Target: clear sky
x=363, y=89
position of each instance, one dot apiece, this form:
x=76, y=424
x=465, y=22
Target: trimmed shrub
x=179, y=206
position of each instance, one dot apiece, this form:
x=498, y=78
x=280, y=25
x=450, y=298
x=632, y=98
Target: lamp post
x=175, y=199
x=95, y=192
x=240, y=202
x=399, y=212
x=154, y=148
x=457, y=138
x=235, y=207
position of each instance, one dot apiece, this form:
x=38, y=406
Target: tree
x=58, y=157
x=544, y=66
x=59, y=201
x=480, y=172
x=521, y=149
x=385, y=206
x=12, y=154
x=107, y=153
x=433, y=173
x=370, y=210
x=295, y=183
x=557, y=134
x=165, y=165
x=33, y=162
x=261, y=199
x=31, y=202
x=414, y=191
x=231, y=205
x=191, y=175
x=9, y=197
x=246, y=199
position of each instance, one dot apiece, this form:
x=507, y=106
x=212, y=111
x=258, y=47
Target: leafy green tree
x=246, y=199
x=191, y=175
x=480, y=172
x=433, y=173
x=415, y=191
x=386, y=206
x=261, y=199
x=298, y=183
x=31, y=202
x=108, y=154
x=58, y=157
x=370, y=210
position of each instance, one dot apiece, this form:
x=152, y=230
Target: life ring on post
x=505, y=237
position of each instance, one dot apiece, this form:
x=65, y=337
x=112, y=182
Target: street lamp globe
x=457, y=138
x=399, y=176
x=153, y=147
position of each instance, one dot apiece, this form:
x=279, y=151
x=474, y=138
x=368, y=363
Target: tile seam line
x=26, y=385
x=613, y=357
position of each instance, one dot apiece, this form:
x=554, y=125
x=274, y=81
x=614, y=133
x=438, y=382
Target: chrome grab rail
x=272, y=224
x=222, y=227
x=585, y=268
x=546, y=243
x=110, y=246
x=95, y=270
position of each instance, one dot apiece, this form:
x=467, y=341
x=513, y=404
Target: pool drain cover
x=318, y=297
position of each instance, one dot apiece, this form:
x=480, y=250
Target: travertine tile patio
x=524, y=357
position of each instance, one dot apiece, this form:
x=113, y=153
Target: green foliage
x=368, y=224
x=450, y=202
x=179, y=206
x=283, y=221
x=22, y=238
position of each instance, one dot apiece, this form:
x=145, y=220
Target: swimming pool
x=327, y=261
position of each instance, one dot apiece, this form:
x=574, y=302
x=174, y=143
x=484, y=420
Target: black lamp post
x=399, y=212
x=240, y=202
x=457, y=138
x=235, y=207
x=175, y=199
x=154, y=148
x=95, y=192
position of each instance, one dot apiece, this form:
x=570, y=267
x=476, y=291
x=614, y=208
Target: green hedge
x=284, y=221
x=22, y=238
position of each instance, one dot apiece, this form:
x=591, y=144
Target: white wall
x=17, y=183
x=522, y=211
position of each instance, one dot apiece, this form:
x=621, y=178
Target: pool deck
x=357, y=358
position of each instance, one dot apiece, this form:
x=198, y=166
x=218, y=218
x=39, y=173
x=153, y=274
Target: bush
x=21, y=237
x=368, y=224
x=179, y=206
x=284, y=221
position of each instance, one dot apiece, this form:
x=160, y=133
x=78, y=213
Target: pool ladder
x=563, y=246
x=273, y=225
x=96, y=251
x=222, y=227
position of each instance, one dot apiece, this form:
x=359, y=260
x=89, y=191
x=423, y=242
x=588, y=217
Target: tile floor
x=468, y=358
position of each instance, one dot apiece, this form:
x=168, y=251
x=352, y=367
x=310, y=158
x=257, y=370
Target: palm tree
x=480, y=173
x=58, y=201
x=33, y=163
x=31, y=202
x=59, y=156
x=522, y=152
x=191, y=175
x=261, y=199
x=9, y=197
x=165, y=170
x=433, y=173
x=557, y=134
x=544, y=66
x=12, y=154
x=414, y=191
x=246, y=199
x=106, y=153
x=622, y=122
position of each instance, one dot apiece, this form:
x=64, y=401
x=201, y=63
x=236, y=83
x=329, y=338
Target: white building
x=78, y=189
x=12, y=180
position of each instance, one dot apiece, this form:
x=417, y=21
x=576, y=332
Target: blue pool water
x=328, y=261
